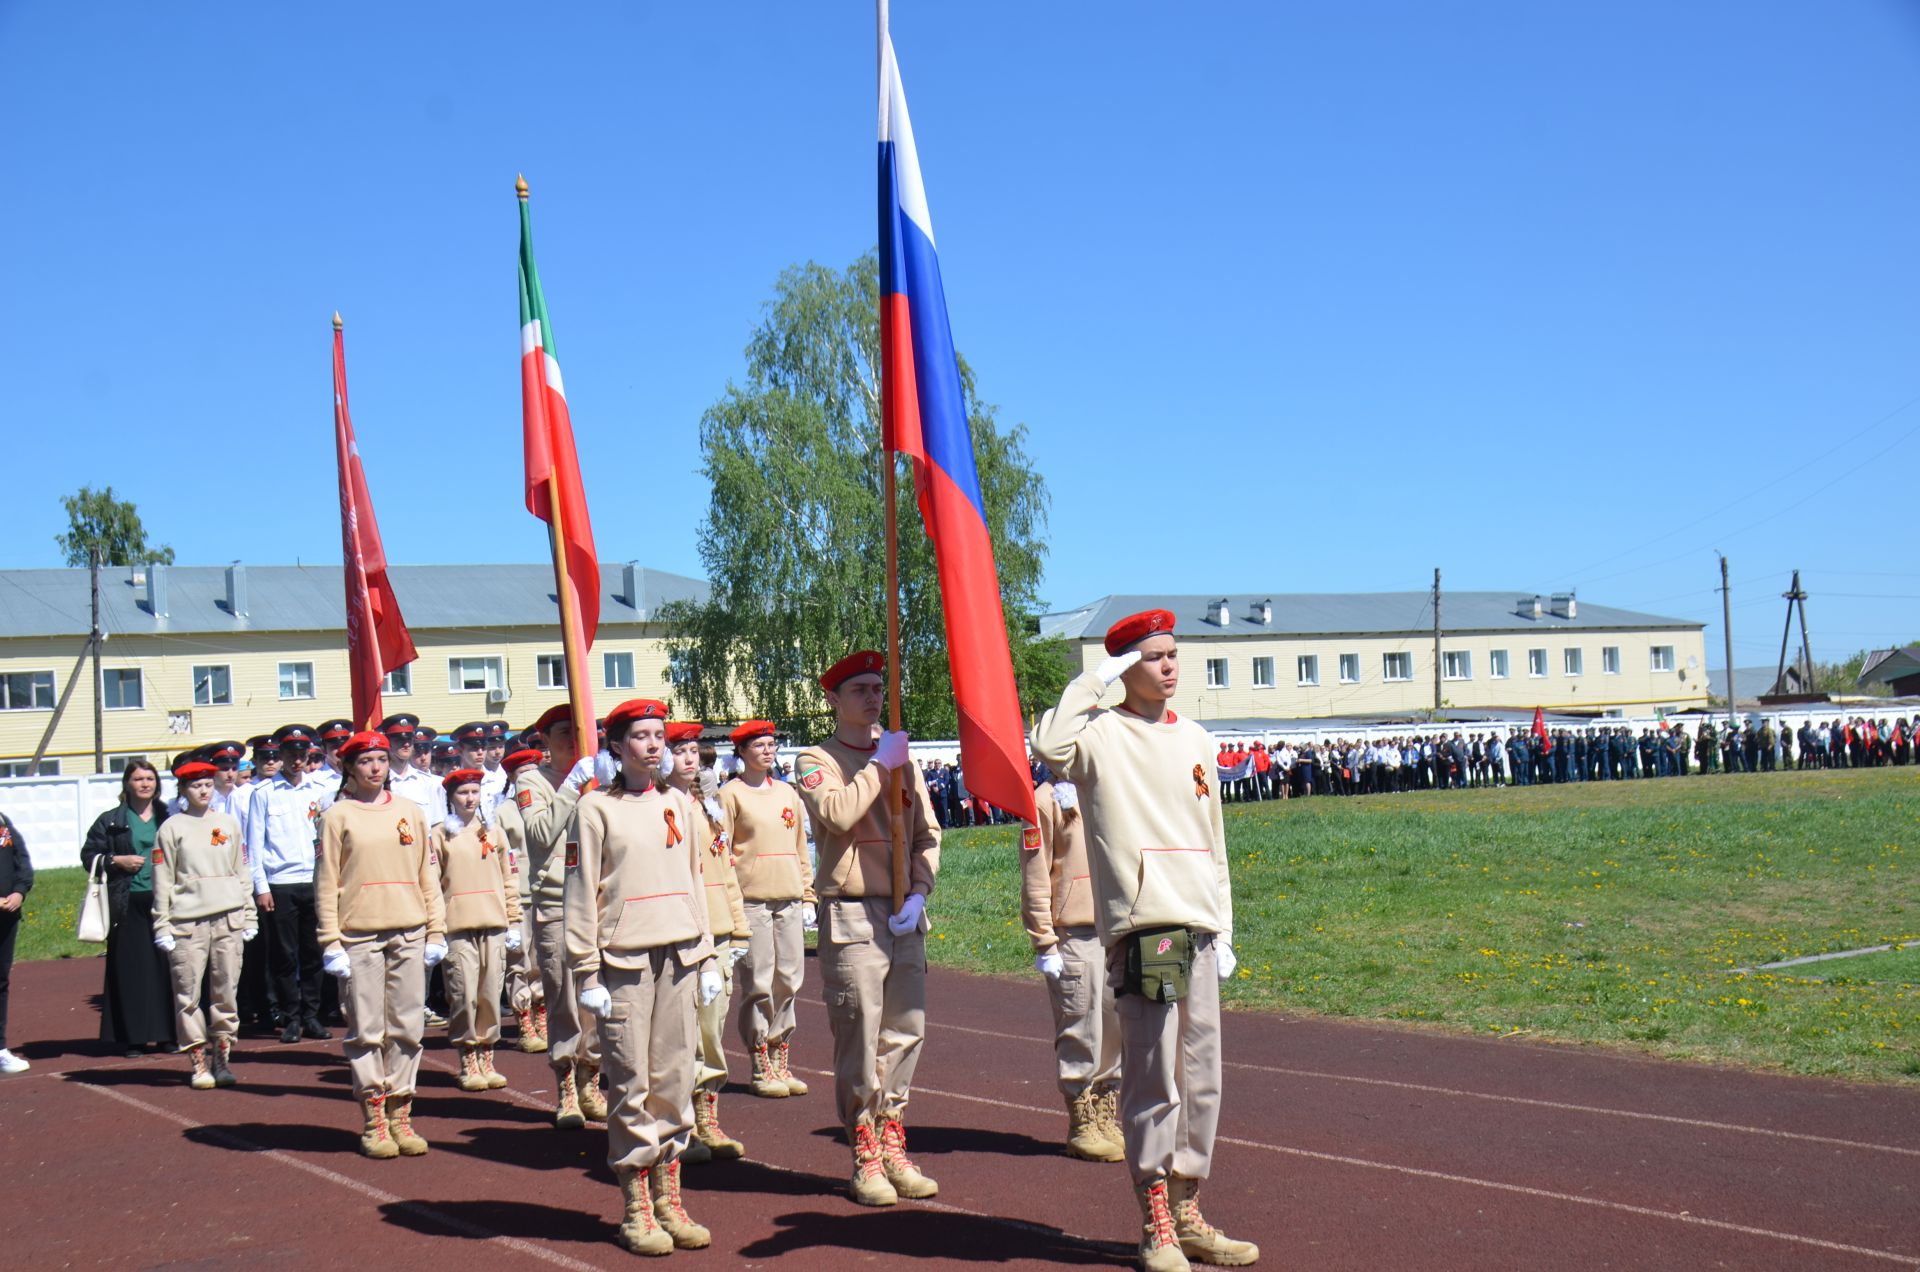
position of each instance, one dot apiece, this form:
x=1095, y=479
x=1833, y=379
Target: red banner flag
x=377, y=639
x=1540, y=731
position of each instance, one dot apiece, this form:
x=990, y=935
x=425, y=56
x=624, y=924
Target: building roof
x=1353, y=613
x=310, y=598
x=1884, y=666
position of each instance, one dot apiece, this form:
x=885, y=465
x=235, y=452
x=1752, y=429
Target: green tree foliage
x=794, y=540
x=97, y=520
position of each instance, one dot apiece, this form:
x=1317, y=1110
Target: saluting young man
x=1163, y=909
x=776, y=887
x=873, y=961
x=525, y=994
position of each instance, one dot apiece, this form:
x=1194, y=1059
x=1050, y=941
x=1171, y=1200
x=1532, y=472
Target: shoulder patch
x=159, y=855
x=1030, y=838
x=573, y=854
x=811, y=778
x=524, y=798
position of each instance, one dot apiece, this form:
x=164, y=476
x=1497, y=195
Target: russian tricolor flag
x=924, y=416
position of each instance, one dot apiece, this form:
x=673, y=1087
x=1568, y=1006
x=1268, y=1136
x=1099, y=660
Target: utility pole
x=1795, y=597
x=1726, y=628
x=99, y=720
x=1436, y=641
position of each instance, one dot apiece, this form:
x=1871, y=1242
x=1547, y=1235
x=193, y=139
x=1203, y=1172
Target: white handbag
x=95, y=919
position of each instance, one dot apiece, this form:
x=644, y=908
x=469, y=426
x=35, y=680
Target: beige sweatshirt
x=547, y=808
x=634, y=883
x=726, y=916
x=1055, y=888
x=513, y=831
x=376, y=872
x=851, y=830
x=200, y=870
x=769, y=840
x=1156, y=843
x=475, y=880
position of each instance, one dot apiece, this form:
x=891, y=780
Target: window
x=1456, y=664
x=120, y=689
x=296, y=681
x=619, y=668
x=1572, y=662
x=552, y=670
x=1609, y=660
x=1662, y=658
x=1397, y=666
x=1263, y=673
x=1349, y=669
x=1216, y=673
x=118, y=763
x=1307, y=669
x=26, y=691
x=212, y=687
x=1497, y=664
x=24, y=768
x=474, y=675
x=1536, y=662
x=399, y=681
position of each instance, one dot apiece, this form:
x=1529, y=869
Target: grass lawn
x=1901, y=964
x=51, y=910
x=1607, y=912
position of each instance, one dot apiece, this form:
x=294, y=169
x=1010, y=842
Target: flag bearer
x=203, y=914
x=1056, y=904
x=1163, y=908
x=641, y=951
x=524, y=991
x=382, y=925
x=873, y=961
x=483, y=927
x=728, y=922
x=776, y=885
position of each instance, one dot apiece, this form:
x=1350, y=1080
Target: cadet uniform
x=637, y=938
x=1056, y=905
x=203, y=915
x=483, y=922
x=524, y=992
x=408, y=780
x=377, y=891
x=1157, y=854
x=776, y=889
x=874, y=980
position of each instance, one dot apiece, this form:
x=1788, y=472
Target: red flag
x=377, y=639
x=1540, y=731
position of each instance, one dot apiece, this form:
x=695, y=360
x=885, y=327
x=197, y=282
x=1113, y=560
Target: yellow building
x=1371, y=655
x=200, y=654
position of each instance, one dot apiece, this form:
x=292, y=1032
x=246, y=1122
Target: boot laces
x=866, y=1152
x=673, y=1193
x=780, y=1060
x=1158, y=1216
x=712, y=1103
x=893, y=1145
x=378, y=1104
x=1193, y=1220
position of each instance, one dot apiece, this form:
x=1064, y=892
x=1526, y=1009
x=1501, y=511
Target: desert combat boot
x=640, y=1232
x=1159, y=1245
x=670, y=1213
x=1200, y=1241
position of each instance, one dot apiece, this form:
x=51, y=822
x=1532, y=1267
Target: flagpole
x=896, y=794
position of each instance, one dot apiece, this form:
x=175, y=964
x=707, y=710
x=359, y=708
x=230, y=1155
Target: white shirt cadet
x=283, y=824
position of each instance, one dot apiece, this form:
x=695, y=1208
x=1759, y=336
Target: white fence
x=53, y=813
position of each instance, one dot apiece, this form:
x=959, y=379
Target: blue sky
x=1293, y=297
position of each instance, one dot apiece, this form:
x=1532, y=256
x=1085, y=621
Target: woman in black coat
x=136, y=1007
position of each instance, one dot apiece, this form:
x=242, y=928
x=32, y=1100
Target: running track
x=1344, y=1146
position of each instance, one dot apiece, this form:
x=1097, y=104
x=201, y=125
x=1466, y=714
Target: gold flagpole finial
x=336, y=320
x=520, y=188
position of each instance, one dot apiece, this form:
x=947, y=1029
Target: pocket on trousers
x=847, y=922
x=1076, y=990
x=843, y=1004
x=237, y=921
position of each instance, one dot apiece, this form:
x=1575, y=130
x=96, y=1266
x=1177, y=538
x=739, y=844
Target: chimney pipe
x=156, y=589
x=630, y=584
x=237, y=590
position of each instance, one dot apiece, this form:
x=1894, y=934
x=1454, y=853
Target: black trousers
x=293, y=958
x=9, y=928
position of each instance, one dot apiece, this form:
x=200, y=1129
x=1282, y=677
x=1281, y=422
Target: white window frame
x=550, y=671
x=1306, y=670
x=23, y=768
x=287, y=682
x=139, y=688
x=398, y=682
x=1224, y=677
x=1609, y=660
x=1349, y=669
x=609, y=662
x=492, y=670
x=1456, y=664
x=1499, y=666
x=1263, y=672
x=1536, y=664
x=1655, y=661
x=1387, y=662
x=33, y=691
x=212, y=698
x=1573, y=661
x=117, y=764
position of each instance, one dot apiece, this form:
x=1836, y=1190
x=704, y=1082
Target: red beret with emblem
x=684, y=731
x=462, y=777
x=635, y=709
x=1135, y=628
x=517, y=760
x=360, y=743
x=553, y=715
x=193, y=771
x=750, y=730
x=860, y=663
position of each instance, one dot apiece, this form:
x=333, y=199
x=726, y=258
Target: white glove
x=909, y=917
x=710, y=983
x=1109, y=671
x=1224, y=956
x=714, y=811
x=1066, y=794
x=513, y=939
x=436, y=950
x=1050, y=964
x=249, y=934
x=336, y=964
x=605, y=768
x=809, y=918
x=164, y=940
x=597, y=1000
x=733, y=954
x=579, y=774
x=890, y=752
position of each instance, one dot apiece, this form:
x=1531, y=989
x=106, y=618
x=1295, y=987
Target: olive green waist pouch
x=1159, y=961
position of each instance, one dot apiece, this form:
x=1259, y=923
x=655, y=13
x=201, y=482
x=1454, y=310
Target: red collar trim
x=1172, y=716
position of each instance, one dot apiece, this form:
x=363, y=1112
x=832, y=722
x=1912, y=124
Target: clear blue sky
x=1293, y=297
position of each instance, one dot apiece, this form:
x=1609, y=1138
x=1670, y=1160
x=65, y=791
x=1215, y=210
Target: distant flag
x=377, y=639
x=1540, y=730
x=554, y=491
x=923, y=414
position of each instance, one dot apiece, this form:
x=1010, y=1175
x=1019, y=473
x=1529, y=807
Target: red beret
x=636, y=709
x=861, y=663
x=1135, y=628
x=461, y=777
x=360, y=742
x=750, y=730
x=684, y=731
x=554, y=715
x=193, y=770
x=517, y=760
